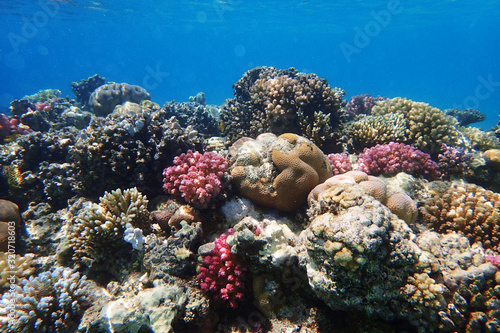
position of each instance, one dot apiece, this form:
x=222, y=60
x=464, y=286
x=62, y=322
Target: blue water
x=445, y=53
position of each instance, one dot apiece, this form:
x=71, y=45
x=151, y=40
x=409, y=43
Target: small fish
x=222, y=126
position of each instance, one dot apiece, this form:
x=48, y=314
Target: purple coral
x=222, y=273
x=340, y=163
x=362, y=104
x=196, y=177
x=453, y=160
x=395, y=157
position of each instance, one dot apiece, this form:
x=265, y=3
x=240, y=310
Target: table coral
x=394, y=157
x=427, y=127
x=466, y=208
x=278, y=172
x=222, y=273
x=197, y=177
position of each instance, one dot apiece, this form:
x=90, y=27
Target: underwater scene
x=249, y=166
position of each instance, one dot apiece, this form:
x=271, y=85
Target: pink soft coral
x=394, y=157
x=222, y=273
x=196, y=177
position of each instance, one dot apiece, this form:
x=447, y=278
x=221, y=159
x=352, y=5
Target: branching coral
x=340, y=163
x=394, y=157
x=50, y=302
x=222, y=273
x=372, y=130
x=196, y=177
x=99, y=228
x=466, y=208
x=426, y=127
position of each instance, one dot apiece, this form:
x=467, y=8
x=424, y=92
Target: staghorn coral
x=53, y=301
x=467, y=208
x=98, y=230
x=426, y=127
x=394, y=157
x=278, y=172
x=198, y=178
x=104, y=99
x=272, y=100
x=372, y=130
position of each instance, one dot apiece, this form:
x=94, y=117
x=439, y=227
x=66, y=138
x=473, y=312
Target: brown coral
x=427, y=127
x=278, y=172
x=469, y=209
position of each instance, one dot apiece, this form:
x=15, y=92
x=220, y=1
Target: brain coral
x=104, y=99
x=426, y=127
x=466, y=208
x=278, y=101
x=279, y=171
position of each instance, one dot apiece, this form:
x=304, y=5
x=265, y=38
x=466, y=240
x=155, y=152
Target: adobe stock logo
x=31, y=26
x=372, y=29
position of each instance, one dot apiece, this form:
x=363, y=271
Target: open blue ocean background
x=442, y=52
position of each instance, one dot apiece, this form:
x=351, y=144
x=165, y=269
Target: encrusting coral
x=466, y=208
x=278, y=171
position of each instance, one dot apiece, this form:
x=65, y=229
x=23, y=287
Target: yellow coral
x=14, y=265
x=372, y=130
x=421, y=290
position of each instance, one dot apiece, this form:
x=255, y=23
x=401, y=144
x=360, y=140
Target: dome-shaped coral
x=278, y=172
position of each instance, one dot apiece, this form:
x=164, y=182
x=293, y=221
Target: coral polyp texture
x=196, y=177
x=278, y=101
x=340, y=163
x=392, y=158
x=53, y=301
x=279, y=171
x=454, y=160
x=466, y=208
x=427, y=127
x=371, y=130
x=222, y=273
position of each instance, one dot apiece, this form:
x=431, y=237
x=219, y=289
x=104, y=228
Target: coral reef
x=362, y=104
x=278, y=101
x=467, y=116
x=480, y=140
x=33, y=102
x=98, y=230
x=426, y=127
x=466, y=208
x=394, y=157
x=196, y=113
x=454, y=160
x=340, y=163
x=53, y=301
x=104, y=99
x=222, y=273
x=279, y=171
x=14, y=267
x=86, y=87
x=10, y=128
x=371, y=130
x=197, y=178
